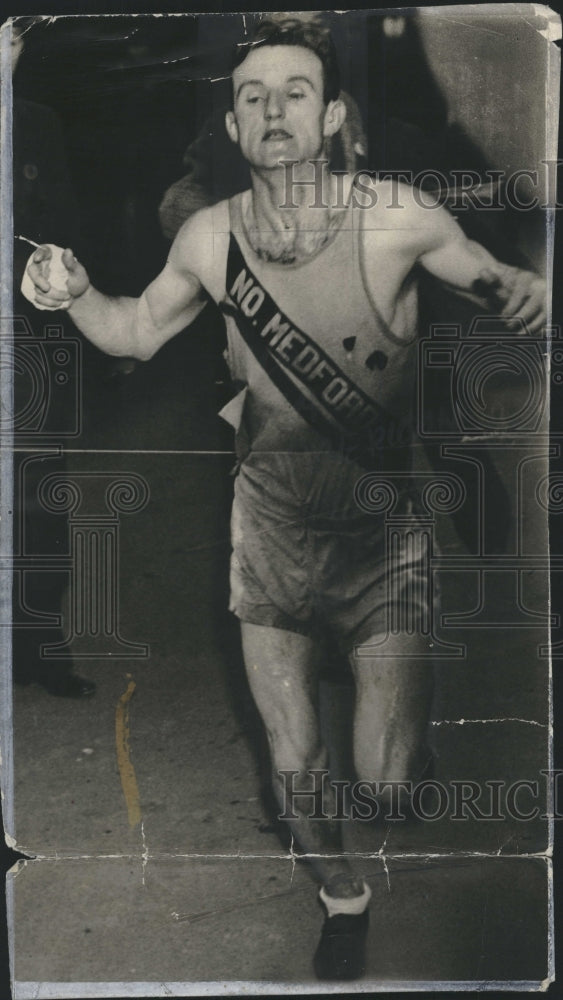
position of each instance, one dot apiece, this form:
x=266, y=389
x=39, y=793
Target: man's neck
x=291, y=234
x=283, y=199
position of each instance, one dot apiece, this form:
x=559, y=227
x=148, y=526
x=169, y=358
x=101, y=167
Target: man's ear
x=335, y=116
x=231, y=126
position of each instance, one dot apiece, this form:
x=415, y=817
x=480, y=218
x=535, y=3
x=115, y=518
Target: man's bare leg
x=282, y=670
x=393, y=701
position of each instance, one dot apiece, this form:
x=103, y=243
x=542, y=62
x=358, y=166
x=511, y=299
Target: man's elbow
x=144, y=335
x=130, y=349
x=144, y=352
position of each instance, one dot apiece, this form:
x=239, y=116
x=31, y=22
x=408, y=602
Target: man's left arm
x=515, y=294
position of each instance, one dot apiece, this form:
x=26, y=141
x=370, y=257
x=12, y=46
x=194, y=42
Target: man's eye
x=297, y=95
x=253, y=99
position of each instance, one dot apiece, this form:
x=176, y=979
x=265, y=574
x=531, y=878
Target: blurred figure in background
x=44, y=210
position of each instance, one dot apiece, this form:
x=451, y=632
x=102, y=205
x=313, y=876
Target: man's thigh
x=282, y=670
x=404, y=674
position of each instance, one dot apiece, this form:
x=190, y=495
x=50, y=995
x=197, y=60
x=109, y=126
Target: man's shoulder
x=400, y=214
x=201, y=247
x=209, y=220
x=391, y=197
x=198, y=243
x=400, y=220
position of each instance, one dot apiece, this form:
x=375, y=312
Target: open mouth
x=276, y=135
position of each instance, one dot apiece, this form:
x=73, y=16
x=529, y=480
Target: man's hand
x=125, y=326
x=57, y=279
x=517, y=295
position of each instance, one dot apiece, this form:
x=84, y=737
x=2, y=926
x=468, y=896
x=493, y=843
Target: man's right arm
x=127, y=326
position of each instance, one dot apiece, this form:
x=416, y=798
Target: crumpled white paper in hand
x=52, y=269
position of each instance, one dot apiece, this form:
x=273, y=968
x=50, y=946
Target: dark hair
x=309, y=34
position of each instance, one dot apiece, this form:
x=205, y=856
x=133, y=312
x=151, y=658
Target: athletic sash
x=340, y=410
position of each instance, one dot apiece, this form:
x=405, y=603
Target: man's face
x=279, y=110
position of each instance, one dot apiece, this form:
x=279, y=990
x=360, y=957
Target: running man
x=320, y=300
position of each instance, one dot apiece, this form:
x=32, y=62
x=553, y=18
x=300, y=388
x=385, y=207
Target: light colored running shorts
x=308, y=560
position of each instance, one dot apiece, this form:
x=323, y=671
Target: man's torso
x=340, y=325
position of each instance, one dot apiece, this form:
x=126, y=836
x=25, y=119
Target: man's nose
x=274, y=107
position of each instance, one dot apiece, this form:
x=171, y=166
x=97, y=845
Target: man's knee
x=304, y=792
x=297, y=752
x=392, y=760
x=299, y=770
